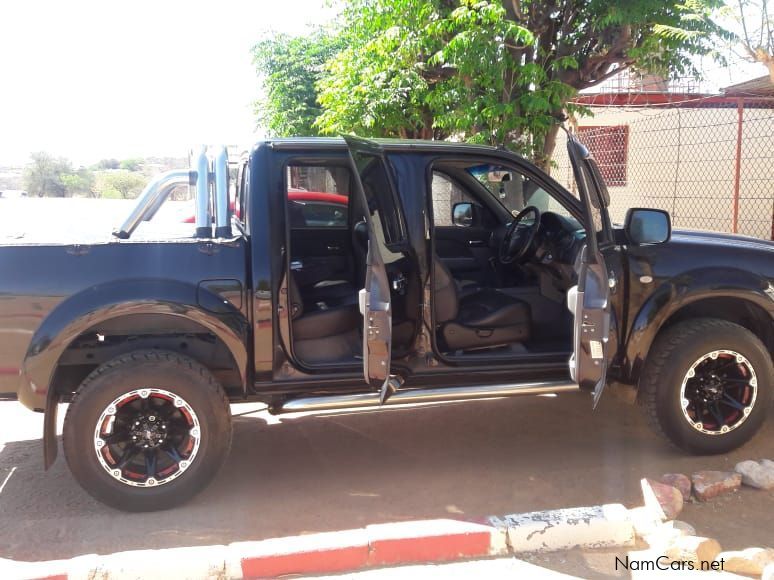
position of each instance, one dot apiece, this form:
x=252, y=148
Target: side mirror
x=647, y=226
x=463, y=214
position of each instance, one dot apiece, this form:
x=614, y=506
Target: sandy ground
x=311, y=473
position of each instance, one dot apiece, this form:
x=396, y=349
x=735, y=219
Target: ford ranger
x=416, y=272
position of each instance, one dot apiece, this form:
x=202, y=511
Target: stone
x=660, y=495
x=645, y=521
x=685, y=528
x=710, y=484
x=756, y=474
x=663, y=536
x=693, y=549
x=679, y=480
x=751, y=561
x=767, y=463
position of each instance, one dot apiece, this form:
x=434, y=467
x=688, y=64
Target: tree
x=289, y=68
x=381, y=84
x=79, y=182
x=131, y=164
x=757, y=23
x=499, y=72
x=108, y=164
x=43, y=175
x=581, y=44
x=120, y=183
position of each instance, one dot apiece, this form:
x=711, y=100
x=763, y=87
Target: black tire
x=668, y=364
x=176, y=374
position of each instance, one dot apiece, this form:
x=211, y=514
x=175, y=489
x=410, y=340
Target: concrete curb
x=413, y=542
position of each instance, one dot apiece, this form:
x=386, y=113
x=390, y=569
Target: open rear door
x=371, y=171
x=589, y=301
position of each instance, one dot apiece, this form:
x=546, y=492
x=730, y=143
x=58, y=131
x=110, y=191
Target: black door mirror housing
x=647, y=226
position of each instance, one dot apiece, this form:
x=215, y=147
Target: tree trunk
x=427, y=124
x=543, y=159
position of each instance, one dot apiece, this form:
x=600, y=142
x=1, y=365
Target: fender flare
x=104, y=302
x=678, y=292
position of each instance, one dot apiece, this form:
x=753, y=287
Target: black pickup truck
x=334, y=274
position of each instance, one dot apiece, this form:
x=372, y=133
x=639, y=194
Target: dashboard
x=558, y=239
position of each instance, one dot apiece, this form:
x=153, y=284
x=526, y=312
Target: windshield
x=515, y=191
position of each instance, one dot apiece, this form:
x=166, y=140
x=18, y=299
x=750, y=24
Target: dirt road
x=294, y=474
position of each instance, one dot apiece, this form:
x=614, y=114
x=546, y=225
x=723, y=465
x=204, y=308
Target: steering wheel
x=519, y=236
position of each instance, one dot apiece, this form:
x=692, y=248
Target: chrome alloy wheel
x=147, y=437
x=718, y=392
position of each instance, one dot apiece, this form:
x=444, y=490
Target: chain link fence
x=712, y=168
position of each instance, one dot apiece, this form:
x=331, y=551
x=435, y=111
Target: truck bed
x=47, y=277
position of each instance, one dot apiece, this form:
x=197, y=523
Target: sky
x=89, y=79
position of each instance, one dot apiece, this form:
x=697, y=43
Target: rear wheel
x=147, y=431
x=707, y=385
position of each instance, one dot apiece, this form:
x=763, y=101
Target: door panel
x=383, y=219
x=589, y=301
x=319, y=254
x=465, y=251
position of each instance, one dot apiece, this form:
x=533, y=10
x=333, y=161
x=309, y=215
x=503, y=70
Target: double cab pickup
x=341, y=273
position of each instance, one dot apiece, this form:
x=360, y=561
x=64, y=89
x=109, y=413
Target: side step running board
x=403, y=397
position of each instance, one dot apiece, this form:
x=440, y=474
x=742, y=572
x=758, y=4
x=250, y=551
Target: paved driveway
x=310, y=473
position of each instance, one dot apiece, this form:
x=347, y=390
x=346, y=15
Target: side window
x=318, y=196
x=382, y=202
x=446, y=194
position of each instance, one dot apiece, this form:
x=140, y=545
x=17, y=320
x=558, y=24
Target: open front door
x=589, y=301
x=376, y=199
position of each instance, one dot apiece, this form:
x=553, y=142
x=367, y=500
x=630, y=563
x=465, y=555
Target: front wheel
x=707, y=385
x=147, y=430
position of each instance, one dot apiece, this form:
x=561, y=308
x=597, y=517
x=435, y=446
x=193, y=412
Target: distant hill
x=11, y=177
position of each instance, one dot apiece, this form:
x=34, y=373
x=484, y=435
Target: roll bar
x=151, y=198
x=212, y=184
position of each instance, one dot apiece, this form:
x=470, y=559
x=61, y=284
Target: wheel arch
x=177, y=303
x=748, y=307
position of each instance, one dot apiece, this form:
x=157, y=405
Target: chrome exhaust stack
x=222, y=205
x=407, y=396
x=203, y=217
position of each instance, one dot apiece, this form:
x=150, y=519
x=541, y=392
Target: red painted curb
x=335, y=560
x=307, y=554
x=375, y=545
x=429, y=549
x=401, y=543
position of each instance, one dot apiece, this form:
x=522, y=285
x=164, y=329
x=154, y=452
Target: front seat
x=481, y=319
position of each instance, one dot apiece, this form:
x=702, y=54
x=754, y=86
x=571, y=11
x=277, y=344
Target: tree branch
x=611, y=73
x=744, y=23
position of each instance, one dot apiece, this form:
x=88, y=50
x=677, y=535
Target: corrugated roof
x=762, y=86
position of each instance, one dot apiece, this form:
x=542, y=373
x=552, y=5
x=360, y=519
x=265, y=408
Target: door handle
x=333, y=247
x=296, y=265
x=476, y=242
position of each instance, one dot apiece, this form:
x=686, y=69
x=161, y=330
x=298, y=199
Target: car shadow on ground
x=297, y=474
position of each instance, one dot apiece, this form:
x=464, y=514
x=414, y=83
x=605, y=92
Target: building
x=707, y=158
